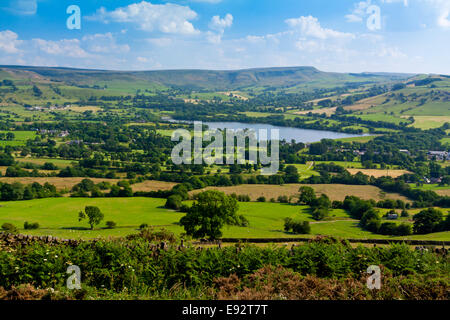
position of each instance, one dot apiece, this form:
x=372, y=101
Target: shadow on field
x=76, y=228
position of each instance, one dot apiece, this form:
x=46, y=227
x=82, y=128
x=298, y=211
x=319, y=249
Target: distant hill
x=204, y=79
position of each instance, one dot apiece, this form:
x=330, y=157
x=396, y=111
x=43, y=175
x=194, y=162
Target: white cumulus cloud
x=104, y=43
x=66, y=47
x=310, y=27
x=218, y=23
x=9, y=41
x=166, y=18
x=359, y=11
x=443, y=19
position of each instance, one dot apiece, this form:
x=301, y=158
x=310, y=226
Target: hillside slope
x=201, y=79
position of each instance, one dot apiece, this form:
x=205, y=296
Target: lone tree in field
x=94, y=215
x=208, y=215
x=307, y=195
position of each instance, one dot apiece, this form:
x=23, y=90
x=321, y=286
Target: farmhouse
x=63, y=134
x=392, y=216
x=438, y=155
x=406, y=151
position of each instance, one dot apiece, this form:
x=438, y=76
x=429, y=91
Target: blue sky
x=332, y=35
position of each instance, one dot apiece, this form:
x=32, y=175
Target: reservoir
x=285, y=133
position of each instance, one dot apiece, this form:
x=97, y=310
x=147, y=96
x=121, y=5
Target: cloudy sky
x=332, y=35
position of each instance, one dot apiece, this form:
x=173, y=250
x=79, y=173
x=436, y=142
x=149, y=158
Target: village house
x=392, y=216
x=406, y=151
x=438, y=155
x=63, y=134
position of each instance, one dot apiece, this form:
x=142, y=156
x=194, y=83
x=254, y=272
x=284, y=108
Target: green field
x=345, y=164
x=59, y=217
x=60, y=163
x=431, y=187
x=446, y=141
x=363, y=139
x=306, y=170
x=20, y=138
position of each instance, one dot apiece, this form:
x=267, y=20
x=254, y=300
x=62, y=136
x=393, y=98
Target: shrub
x=405, y=214
x=288, y=224
x=153, y=235
x=337, y=204
x=283, y=199
x=131, y=175
x=9, y=227
x=243, y=198
x=373, y=225
x=30, y=226
x=242, y=221
x=174, y=202
x=388, y=228
x=96, y=193
x=297, y=227
x=111, y=224
x=261, y=199
x=143, y=226
x=275, y=283
x=405, y=229
x=301, y=227
x=367, y=216
x=427, y=221
x=319, y=213
x=184, y=208
x=137, y=267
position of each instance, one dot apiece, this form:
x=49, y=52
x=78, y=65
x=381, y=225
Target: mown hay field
x=68, y=183
x=59, y=183
x=152, y=185
x=443, y=192
x=60, y=163
x=379, y=173
x=430, y=122
x=333, y=191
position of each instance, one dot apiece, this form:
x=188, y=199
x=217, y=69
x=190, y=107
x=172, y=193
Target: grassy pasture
x=358, y=139
x=60, y=163
x=445, y=141
x=345, y=164
x=59, y=217
x=20, y=138
x=381, y=117
x=306, y=170
x=430, y=122
x=441, y=190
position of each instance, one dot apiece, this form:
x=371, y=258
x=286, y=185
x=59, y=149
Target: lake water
x=286, y=133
